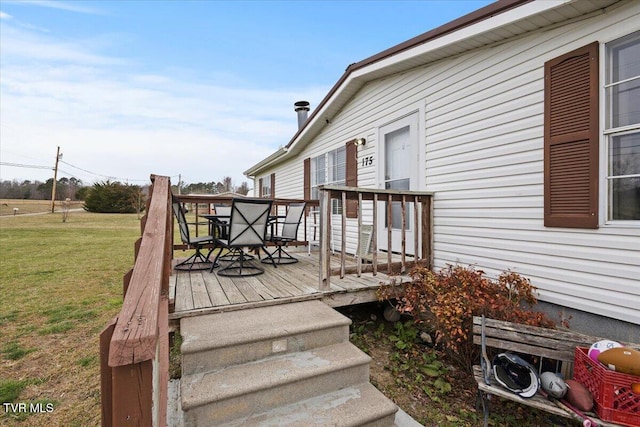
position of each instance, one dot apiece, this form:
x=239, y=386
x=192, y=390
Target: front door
x=398, y=171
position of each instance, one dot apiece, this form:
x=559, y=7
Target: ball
x=600, y=346
x=625, y=360
x=553, y=385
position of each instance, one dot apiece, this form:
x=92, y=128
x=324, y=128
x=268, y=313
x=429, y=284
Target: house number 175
x=367, y=161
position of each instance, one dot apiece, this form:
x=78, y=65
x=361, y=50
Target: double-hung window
x=622, y=128
x=266, y=185
x=329, y=168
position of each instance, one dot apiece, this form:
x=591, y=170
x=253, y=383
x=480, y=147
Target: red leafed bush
x=448, y=300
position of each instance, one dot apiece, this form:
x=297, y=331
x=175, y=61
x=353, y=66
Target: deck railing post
x=325, y=233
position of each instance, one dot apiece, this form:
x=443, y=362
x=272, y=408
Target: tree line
x=66, y=188
x=75, y=189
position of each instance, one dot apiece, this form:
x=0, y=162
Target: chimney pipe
x=302, y=108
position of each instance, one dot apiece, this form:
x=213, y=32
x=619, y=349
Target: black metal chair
x=288, y=234
x=197, y=261
x=247, y=229
x=220, y=225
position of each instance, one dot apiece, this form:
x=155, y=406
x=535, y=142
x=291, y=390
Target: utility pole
x=179, y=183
x=55, y=180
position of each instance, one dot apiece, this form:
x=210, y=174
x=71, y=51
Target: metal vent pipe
x=302, y=108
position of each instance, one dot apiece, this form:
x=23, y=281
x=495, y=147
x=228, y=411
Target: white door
x=398, y=171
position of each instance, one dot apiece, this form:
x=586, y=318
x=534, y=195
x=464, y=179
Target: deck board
x=216, y=294
x=200, y=292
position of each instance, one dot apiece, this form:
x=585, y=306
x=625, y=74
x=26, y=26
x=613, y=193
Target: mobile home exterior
x=523, y=120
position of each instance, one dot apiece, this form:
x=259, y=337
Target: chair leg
x=238, y=267
x=196, y=258
x=280, y=256
x=269, y=256
x=215, y=260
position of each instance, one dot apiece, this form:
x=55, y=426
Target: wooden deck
x=201, y=292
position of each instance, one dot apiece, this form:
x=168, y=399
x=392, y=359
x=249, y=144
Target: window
x=329, y=168
x=622, y=128
x=267, y=184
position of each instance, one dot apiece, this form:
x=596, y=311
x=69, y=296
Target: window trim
x=605, y=134
x=336, y=208
x=270, y=179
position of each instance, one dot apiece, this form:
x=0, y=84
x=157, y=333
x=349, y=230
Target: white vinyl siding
x=482, y=132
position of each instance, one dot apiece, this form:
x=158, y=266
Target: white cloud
x=117, y=121
x=68, y=6
x=5, y=15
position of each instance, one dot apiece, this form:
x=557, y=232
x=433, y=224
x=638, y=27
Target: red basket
x=612, y=395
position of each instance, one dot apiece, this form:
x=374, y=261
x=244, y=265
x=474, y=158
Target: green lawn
x=60, y=284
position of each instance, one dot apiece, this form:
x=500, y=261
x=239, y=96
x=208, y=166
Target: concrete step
x=359, y=405
x=237, y=391
x=223, y=339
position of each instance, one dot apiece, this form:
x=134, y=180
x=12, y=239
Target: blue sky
x=201, y=89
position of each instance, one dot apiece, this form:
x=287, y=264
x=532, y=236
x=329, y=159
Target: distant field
x=31, y=206
x=61, y=282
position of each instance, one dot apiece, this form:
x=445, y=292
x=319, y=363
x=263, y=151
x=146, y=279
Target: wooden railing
x=376, y=205
x=134, y=346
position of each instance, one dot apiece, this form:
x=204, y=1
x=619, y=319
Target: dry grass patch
x=61, y=283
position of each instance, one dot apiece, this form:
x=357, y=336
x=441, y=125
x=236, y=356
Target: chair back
x=224, y=210
x=249, y=219
x=182, y=222
x=292, y=220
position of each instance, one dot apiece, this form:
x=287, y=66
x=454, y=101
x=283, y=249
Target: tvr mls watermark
x=28, y=408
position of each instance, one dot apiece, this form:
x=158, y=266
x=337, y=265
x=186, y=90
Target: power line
x=22, y=165
x=101, y=175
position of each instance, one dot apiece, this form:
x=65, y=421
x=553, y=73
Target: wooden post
x=389, y=227
x=55, y=181
x=403, y=241
x=133, y=394
x=417, y=235
x=427, y=234
x=106, y=385
x=325, y=233
x=374, y=234
x=343, y=233
x=359, y=256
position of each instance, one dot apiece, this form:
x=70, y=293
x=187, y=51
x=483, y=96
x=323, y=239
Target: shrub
x=451, y=297
x=114, y=197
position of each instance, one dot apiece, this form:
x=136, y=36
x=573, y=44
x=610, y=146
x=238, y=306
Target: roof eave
x=381, y=64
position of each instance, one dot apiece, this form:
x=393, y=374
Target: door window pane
x=397, y=169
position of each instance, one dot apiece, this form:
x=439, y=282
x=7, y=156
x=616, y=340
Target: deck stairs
x=281, y=365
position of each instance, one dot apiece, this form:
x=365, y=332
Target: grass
x=7, y=206
x=61, y=283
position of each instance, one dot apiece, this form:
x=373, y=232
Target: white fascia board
x=251, y=172
x=514, y=15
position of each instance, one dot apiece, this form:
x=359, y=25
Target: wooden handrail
x=136, y=332
x=134, y=346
